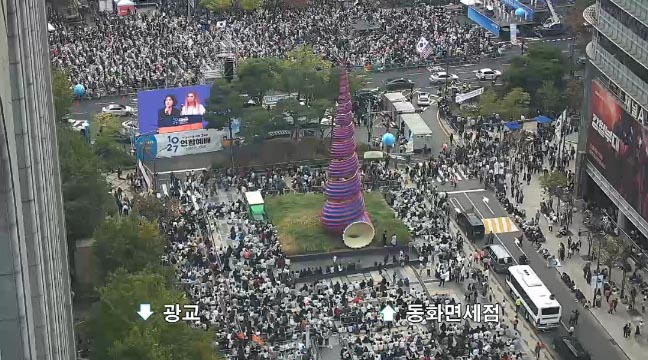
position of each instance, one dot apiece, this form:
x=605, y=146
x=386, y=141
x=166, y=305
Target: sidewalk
x=613, y=323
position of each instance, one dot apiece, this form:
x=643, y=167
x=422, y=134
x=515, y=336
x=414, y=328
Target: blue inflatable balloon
x=388, y=139
x=79, y=90
x=520, y=12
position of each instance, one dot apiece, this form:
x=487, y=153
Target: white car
x=488, y=74
x=442, y=76
x=118, y=110
x=423, y=99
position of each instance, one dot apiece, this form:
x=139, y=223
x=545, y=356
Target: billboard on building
x=172, y=110
x=156, y=146
x=617, y=144
x=483, y=21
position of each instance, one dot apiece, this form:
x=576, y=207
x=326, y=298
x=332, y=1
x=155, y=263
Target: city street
x=589, y=332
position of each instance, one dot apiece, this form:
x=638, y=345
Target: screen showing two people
x=172, y=110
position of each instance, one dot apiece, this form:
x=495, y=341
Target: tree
x=256, y=76
x=574, y=93
x=110, y=145
x=612, y=250
x=489, y=103
x=85, y=190
x=62, y=92
x=117, y=332
x=553, y=184
x=129, y=242
x=542, y=63
x=515, y=104
x=216, y=5
x=550, y=99
x=223, y=104
x=304, y=72
x=259, y=121
x=249, y=5
x=151, y=208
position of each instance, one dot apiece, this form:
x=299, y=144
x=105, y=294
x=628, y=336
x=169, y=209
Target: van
x=569, y=348
x=501, y=259
x=471, y=225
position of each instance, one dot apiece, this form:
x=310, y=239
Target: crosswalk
x=499, y=225
x=444, y=176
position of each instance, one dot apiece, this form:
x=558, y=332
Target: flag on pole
x=424, y=48
x=221, y=24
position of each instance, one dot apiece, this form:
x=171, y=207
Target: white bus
x=539, y=306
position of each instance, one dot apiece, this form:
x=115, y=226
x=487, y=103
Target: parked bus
x=539, y=306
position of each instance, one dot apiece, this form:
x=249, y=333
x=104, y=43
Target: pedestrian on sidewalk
x=571, y=330
x=550, y=222
x=537, y=217
x=504, y=303
x=518, y=303
x=515, y=323
x=538, y=349
x=626, y=330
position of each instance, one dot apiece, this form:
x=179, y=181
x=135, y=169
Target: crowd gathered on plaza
x=166, y=48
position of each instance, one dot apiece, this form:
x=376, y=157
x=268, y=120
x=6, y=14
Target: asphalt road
x=589, y=331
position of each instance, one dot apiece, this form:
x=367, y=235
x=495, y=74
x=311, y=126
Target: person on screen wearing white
x=192, y=105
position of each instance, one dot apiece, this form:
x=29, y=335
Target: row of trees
x=312, y=81
x=537, y=81
x=128, y=250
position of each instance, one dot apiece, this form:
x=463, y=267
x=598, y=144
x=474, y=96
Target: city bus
x=539, y=306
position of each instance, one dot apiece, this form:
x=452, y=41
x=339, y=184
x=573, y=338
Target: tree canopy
x=129, y=242
x=553, y=181
x=541, y=63
x=513, y=105
x=62, y=92
x=85, y=190
x=119, y=333
x=551, y=100
x=311, y=82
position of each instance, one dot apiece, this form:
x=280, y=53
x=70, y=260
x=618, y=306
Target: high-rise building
x=612, y=166
x=35, y=299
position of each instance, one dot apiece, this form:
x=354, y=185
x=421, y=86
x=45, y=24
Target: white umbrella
x=125, y=3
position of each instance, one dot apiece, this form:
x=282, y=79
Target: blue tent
x=513, y=125
x=542, y=119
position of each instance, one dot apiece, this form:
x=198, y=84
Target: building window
x=626, y=19
x=625, y=59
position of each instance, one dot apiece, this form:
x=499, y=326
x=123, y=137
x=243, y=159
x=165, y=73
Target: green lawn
x=296, y=217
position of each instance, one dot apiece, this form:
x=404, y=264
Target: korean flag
x=422, y=45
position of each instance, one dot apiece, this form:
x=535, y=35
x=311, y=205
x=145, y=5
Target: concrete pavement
x=599, y=332
x=634, y=348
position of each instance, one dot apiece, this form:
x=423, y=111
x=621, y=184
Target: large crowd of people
x=260, y=309
x=166, y=48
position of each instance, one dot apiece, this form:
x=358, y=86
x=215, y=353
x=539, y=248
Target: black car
x=399, y=84
x=569, y=348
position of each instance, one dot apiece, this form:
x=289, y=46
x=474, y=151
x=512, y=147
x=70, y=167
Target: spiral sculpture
x=344, y=211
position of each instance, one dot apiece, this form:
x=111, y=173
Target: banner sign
x=617, y=145
x=483, y=21
x=149, y=147
x=469, y=95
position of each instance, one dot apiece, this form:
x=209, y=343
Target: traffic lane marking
x=494, y=204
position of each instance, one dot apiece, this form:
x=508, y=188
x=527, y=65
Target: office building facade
x=612, y=165
x=35, y=299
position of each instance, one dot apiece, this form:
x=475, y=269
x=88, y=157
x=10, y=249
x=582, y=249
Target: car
x=423, y=99
x=442, y=76
x=399, y=84
x=488, y=74
x=118, y=110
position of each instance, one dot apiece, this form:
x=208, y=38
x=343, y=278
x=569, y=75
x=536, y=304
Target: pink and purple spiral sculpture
x=344, y=201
